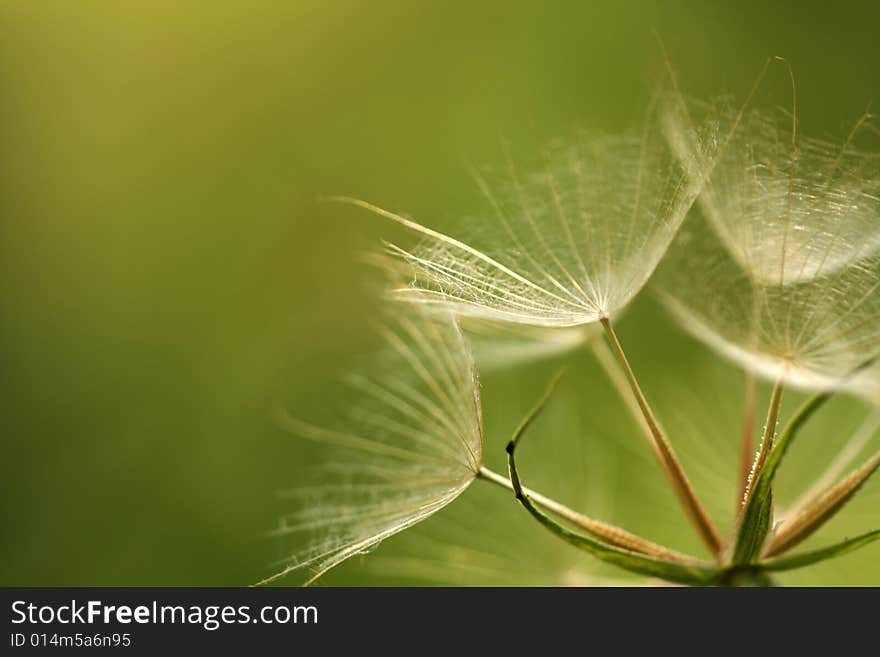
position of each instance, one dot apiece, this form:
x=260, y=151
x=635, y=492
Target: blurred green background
x=168, y=279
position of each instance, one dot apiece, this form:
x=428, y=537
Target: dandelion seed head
x=411, y=447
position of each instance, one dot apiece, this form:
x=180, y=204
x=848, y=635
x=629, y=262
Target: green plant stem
x=610, y=533
x=747, y=444
x=747, y=577
x=668, y=459
x=756, y=517
x=693, y=572
x=822, y=554
x=767, y=437
x=541, y=500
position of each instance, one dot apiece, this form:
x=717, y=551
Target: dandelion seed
x=811, y=333
x=787, y=208
x=567, y=245
x=408, y=451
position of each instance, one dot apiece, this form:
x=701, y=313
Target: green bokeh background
x=167, y=278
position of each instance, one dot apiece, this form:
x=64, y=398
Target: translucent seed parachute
x=411, y=448
x=778, y=267
x=811, y=334
x=495, y=344
x=566, y=243
x=788, y=208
